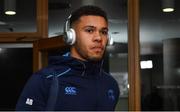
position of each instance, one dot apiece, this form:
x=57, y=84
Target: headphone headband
x=66, y=23
x=69, y=33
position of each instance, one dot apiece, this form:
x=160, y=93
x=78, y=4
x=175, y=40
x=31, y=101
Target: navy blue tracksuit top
x=81, y=86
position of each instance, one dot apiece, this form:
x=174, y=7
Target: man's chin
x=95, y=58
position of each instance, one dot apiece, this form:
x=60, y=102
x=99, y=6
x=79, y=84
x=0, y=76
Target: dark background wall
x=15, y=69
x=151, y=82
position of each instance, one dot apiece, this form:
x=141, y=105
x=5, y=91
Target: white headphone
x=70, y=34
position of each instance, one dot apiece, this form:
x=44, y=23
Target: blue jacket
x=70, y=84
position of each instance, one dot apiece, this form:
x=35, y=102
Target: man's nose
x=98, y=36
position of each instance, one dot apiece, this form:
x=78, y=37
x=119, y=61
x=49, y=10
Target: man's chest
x=83, y=95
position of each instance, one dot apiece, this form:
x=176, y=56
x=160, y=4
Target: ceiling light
x=168, y=5
x=10, y=7
x=168, y=10
x=146, y=64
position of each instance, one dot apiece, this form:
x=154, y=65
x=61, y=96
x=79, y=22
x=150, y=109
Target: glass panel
x=159, y=39
x=116, y=56
x=23, y=21
x=16, y=67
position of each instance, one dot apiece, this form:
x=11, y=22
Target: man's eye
x=89, y=30
x=104, y=32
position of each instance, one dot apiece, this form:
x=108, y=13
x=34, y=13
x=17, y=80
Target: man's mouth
x=97, y=49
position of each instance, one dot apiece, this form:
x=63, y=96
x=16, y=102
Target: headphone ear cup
x=70, y=36
x=110, y=40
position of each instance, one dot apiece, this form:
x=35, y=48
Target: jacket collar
x=83, y=68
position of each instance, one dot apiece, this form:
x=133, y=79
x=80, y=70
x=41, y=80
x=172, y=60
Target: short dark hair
x=85, y=11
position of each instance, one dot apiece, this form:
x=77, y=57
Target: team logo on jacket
x=29, y=101
x=70, y=90
x=111, y=94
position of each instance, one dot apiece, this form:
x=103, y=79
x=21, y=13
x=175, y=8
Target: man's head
x=91, y=29
x=85, y=11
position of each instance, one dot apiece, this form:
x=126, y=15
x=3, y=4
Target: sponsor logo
x=70, y=90
x=29, y=101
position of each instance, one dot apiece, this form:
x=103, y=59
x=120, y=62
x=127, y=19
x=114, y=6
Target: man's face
x=91, y=38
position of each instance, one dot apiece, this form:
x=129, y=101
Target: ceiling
x=23, y=21
x=155, y=26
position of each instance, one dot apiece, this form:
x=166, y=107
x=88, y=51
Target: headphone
x=70, y=34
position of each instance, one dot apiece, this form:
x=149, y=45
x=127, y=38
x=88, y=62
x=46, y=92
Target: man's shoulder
x=49, y=71
x=109, y=77
x=110, y=81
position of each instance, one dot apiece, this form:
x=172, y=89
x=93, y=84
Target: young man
x=75, y=81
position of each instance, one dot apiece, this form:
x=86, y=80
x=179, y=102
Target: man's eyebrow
x=105, y=28
x=89, y=26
